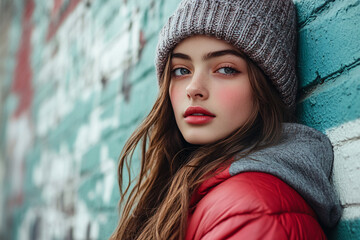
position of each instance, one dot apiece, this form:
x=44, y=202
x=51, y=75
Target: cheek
x=172, y=93
x=235, y=98
x=175, y=95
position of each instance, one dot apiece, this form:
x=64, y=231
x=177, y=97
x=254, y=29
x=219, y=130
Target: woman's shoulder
x=303, y=159
x=252, y=203
x=255, y=192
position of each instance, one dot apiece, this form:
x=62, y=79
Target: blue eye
x=180, y=71
x=227, y=71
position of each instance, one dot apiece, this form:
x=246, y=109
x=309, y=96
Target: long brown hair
x=156, y=205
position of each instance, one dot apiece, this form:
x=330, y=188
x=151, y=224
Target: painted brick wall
x=76, y=78
x=329, y=69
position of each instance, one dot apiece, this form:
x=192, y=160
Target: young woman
x=218, y=160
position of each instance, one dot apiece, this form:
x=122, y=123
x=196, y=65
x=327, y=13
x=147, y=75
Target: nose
x=197, y=87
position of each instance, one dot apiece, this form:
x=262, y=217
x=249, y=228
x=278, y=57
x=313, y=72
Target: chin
x=199, y=141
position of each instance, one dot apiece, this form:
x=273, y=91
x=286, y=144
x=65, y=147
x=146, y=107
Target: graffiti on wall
x=20, y=129
x=72, y=79
x=83, y=73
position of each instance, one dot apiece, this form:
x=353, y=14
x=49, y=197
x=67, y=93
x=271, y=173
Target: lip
x=205, y=117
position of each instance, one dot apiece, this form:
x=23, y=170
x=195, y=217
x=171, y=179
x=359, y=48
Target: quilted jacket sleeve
x=253, y=206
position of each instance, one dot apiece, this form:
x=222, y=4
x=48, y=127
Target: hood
x=303, y=159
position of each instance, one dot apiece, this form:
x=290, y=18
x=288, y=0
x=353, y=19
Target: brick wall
x=329, y=69
x=77, y=77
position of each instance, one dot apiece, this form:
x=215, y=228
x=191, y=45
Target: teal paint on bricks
x=90, y=161
x=333, y=103
x=309, y=10
x=110, y=89
x=152, y=19
x=88, y=191
x=108, y=227
x=17, y=215
x=146, y=65
x=345, y=230
x=143, y=95
x=330, y=44
x=31, y=163
x=168, y=8
x=109, y=115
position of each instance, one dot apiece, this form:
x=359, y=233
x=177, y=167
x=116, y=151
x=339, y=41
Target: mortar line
x=313, y=15
x=342, y=142
x=307, y=90
x=347, y=205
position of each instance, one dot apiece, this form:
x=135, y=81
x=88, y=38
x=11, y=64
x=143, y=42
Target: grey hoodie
x=303, y=159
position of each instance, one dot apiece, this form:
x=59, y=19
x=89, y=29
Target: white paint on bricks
x=346, y=132
x=54, y=224
x=346, y=169
x=54, y=169
x=89, y=134
x=107, y=167
x=68, y=70
x=351, y=213
x=19, y=141
x=55, y=177
x=76, y=70
x=82, y=219
x=53, y=110
x=58, y=176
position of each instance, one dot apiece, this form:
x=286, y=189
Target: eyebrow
x=210, y=54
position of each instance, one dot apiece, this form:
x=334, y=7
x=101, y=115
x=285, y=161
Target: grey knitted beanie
x=265, y=30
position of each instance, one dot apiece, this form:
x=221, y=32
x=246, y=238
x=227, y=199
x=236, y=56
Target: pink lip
x=191, y=116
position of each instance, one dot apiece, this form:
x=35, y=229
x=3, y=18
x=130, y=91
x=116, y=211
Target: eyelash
x=233, y=71
x=173, y=72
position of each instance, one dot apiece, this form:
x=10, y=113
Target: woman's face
x=210, y=91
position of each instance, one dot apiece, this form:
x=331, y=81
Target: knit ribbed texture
x=265, y=30
x=304, y=160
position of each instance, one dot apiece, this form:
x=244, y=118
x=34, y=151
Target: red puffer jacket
x=250, y=205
